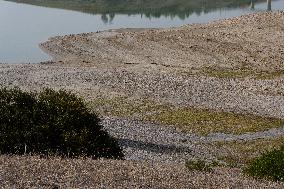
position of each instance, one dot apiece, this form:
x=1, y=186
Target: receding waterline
x=23, y=27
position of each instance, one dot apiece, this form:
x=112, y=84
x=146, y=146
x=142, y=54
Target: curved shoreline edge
x=233, y=65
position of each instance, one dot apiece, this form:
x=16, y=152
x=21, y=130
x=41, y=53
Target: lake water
x=24, y=25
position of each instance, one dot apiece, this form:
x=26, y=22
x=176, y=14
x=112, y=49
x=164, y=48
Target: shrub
x=269, y=165
x=52, y=122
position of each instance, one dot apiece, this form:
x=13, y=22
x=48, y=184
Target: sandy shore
x=233, y=65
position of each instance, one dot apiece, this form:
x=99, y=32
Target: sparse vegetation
x=240, y=153
x=269, y=165
x=51, y=122
x=200, y=165
x=241, y=73
x=190, y=120
x=207, y=121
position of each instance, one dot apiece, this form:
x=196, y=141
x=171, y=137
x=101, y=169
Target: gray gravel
x=35, y=172
x=157, y=65
x=247, y=96
x=142, y=141
x=152, y=142
x=149, y=141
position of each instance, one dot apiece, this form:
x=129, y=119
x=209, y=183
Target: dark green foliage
x=269, y=165
x=52, y=122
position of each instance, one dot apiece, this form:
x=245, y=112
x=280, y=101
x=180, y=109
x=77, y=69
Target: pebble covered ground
x=253, y=41
x=182, y=66
x=34, y=172
x=260, y=97
x=152, y=142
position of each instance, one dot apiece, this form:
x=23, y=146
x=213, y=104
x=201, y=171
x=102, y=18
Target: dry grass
x=205, y=121
x=240, y=73
x=189, y=120
x=238, y=153
x=34, y=172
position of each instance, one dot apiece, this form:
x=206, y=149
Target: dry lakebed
x=212, y=91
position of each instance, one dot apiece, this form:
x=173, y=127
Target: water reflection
x=150, y=9
x=23, y=27
x=107, y=18
x=269, y=5
x=269, y=2
x=252, y=5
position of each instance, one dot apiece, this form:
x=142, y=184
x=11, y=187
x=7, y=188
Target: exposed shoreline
x=198, y=53
x=233, y=65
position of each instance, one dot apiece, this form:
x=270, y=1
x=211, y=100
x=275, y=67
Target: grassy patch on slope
x=189, y=120
x=208, y=121
x=242, y=152
x=241, y=73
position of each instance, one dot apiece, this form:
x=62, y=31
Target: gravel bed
x=34, y=172
x=152, y=142
x=247, y=96
x=144, y=64
x=147, y=141
x=162, y=66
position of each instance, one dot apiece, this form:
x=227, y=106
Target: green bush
x=52, y=122
x=269, y=165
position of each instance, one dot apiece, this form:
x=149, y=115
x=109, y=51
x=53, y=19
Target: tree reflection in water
x=150, y=9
